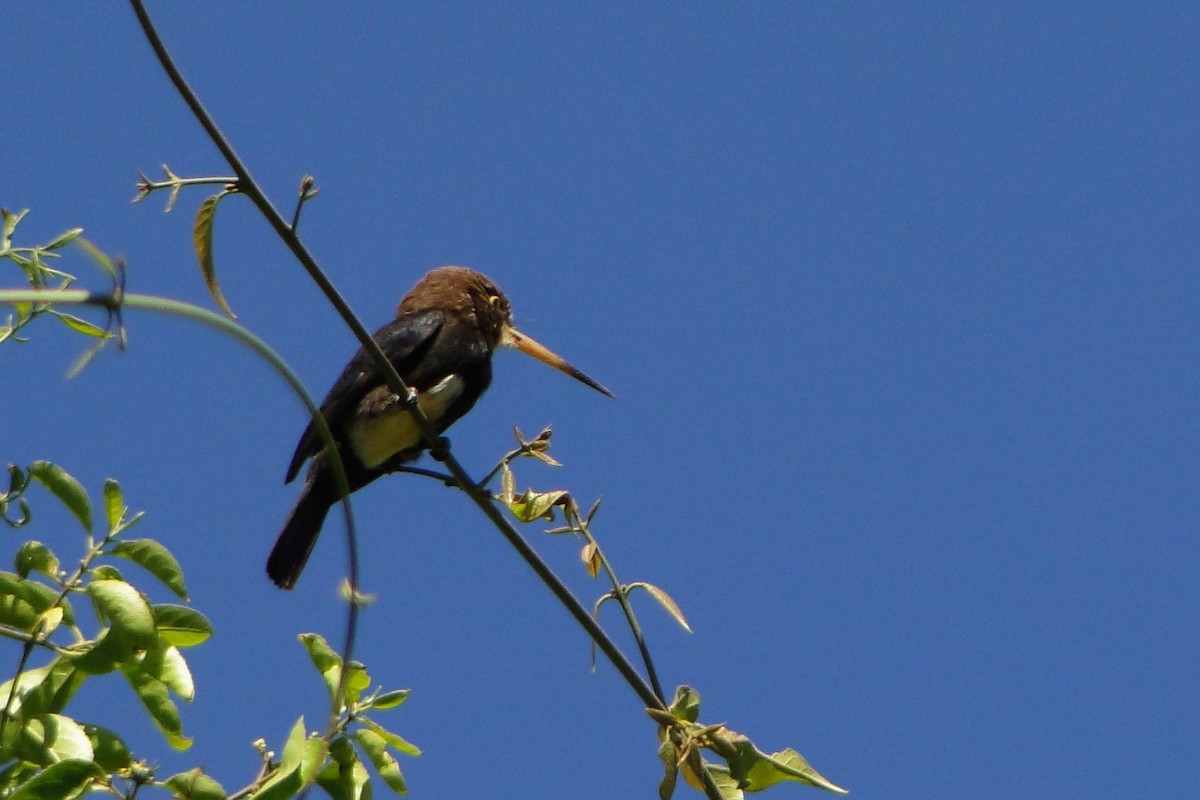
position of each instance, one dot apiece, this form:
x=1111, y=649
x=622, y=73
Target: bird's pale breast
x=382, y=428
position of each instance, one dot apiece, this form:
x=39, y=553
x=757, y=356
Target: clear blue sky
x=900, y=303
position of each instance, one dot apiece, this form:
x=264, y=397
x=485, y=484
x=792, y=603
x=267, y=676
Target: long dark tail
x=300, y=532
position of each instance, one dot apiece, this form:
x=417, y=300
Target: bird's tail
x=299, y=533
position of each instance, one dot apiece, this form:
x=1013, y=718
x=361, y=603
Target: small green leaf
x=155, y=559
x=68, y=490
x=686, y=705
x=357, y=682
x=664, y=600
x=114, y=504
x=167, y=665
x=46, y=690
x=14, y=775
x=63, y=239
x=23, y=601
x=345, y=781
x=202, y=239
x=302, y=755
x=394, y=741
x=284, y=783
x=127, y=610
x=97, y=255
x=106, y=572
x=726, y=785
x=67, y=778
x=49, y=738
x=8, y=224
x=195, y=785
x=80, y=325
x=390, y=699
x=109, y=749
x=341, y=750
x=763, y=771
x=383, y=761
x=537, y=505
x=669, y=755
x=327, y=662
x=104, y=655
x=181, y=626
x=84, y=359
x=157, y=701
x=35, y=557
x=293, y=747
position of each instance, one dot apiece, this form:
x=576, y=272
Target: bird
x=441, y=343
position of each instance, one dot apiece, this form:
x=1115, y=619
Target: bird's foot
x=441, y=449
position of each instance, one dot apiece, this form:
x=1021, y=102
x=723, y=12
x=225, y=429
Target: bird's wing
x=404, y=340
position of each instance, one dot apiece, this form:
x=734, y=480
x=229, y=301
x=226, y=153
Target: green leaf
x=664, y=600
x=390, y=699
x=686, y=705
x=181, y=626
x=106, y=572
x=127, y=610
x=154, y=695
x=105, y=654
x=394, y=741
x=302, y=757
x=80, y=325
x=727, y=787
x=289, y=777
x=285, y=783
x=669, y=755
x=35, y=557
x=49, y=738
x=762, y=771
x=345, y=781
x=22, y=602
x=8, y=224
x=329, y=664
x=537, y=505
x=168, y=665
x=114, y=504
x=68, y=490
x=155, y=559
x=63, y=239
x=202, y=239
x=195, y=785
x=18, y=481
x=65, y=779
x=50, y=689
x=17, y=773
x=109, y=749
x=97, y=255
x=376, y=749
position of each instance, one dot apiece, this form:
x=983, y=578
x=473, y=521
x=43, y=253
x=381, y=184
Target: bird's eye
x=494, y=299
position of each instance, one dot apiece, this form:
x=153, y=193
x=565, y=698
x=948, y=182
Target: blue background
x=899, y=301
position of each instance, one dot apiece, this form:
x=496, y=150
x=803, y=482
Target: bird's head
x=475, y=299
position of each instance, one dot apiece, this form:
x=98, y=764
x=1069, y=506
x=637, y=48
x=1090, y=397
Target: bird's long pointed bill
x=519, y=341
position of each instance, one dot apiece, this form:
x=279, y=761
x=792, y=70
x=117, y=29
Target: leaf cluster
x=42, y=610
x=746, y=769
x=34, y=262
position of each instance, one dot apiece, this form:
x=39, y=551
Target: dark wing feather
x=404, y=340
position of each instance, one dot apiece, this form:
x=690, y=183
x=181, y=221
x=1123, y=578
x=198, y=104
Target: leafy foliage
x=47, y=753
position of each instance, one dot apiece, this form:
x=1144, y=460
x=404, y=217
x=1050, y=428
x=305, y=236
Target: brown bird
x=441, y=342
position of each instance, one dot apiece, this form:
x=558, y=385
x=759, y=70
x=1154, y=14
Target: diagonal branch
x=251, y=189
